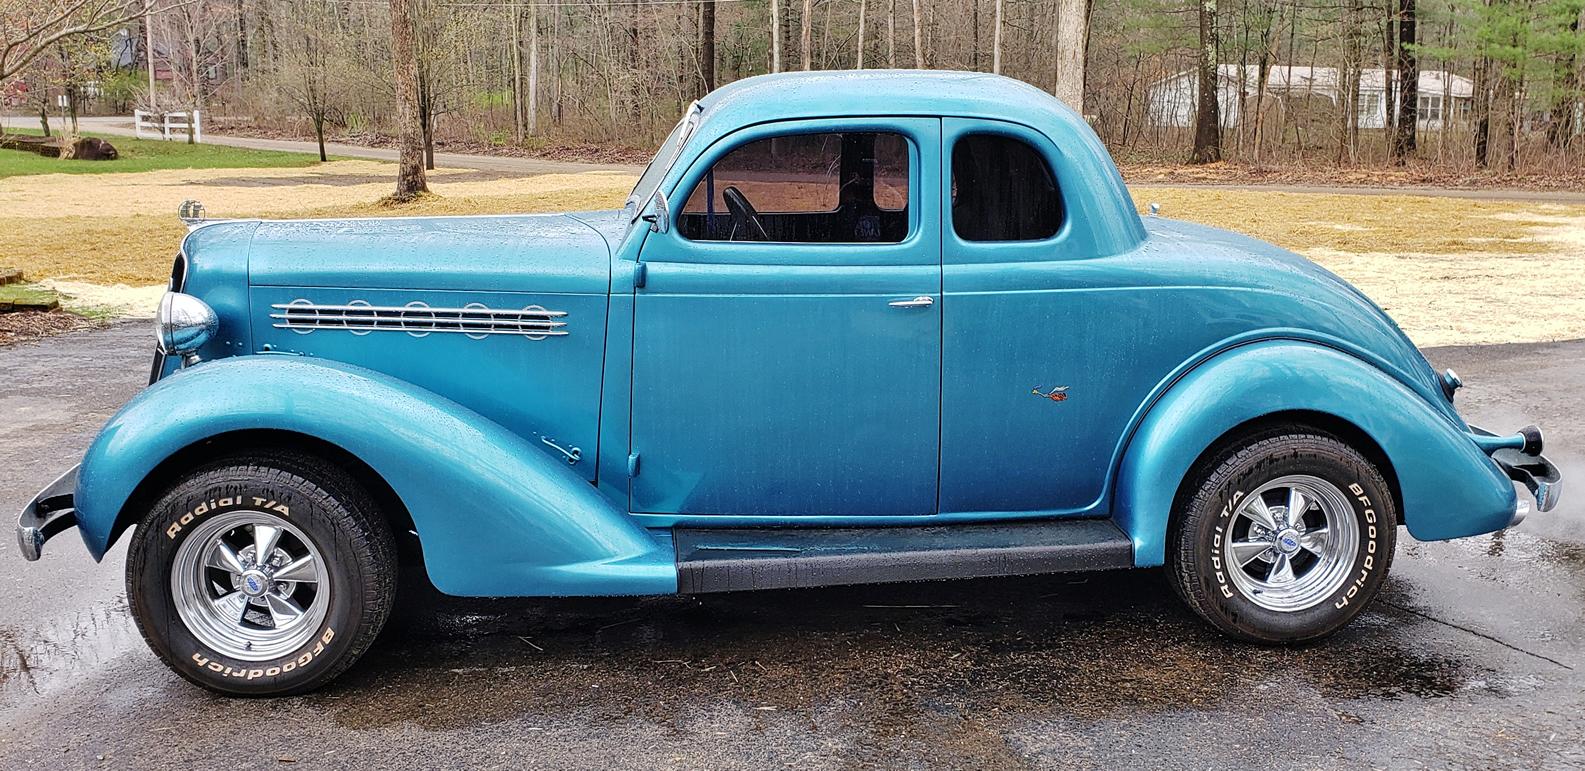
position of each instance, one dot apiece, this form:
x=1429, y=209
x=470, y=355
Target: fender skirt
x=496, y=516
x=1450, y=488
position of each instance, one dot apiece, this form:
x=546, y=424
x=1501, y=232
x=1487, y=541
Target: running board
x=732, y=559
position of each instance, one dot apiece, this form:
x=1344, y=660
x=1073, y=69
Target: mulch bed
x=1325, y=175
x=27, y=326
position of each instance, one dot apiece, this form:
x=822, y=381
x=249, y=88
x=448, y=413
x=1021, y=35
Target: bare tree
x=1069, y=52
x=775, y=35
x=195, y=36
x=862, y=5
x=919, y=46
x=1408, y=114
x=28, y=28
x=1207, y=114
x=804, y=38
x=518, y=116
x=707, y=46
x=891, y=33
x=310, y=34
x=996, y=42
x=410, y=181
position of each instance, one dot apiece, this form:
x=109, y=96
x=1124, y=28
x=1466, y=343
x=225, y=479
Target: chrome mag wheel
x=250, y=585
x=1292, y=543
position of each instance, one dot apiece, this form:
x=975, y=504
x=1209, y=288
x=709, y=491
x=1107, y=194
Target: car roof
x=793, y=95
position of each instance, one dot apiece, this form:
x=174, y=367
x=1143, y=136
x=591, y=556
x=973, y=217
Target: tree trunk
x=707, y=47
x=532, y=100
x=891, y=33
x=517, y=72
x=148, y=50
x=242, y=39
x=1482, y=99
x=863, y=5
x=1069, y=49
x=1207, y=114
x=919, y=46
x=1561, y=127
x=44, y=116
x=996, y=41
x=319, y=134
x=410, y=181
x=1403, y=138
x=805, y=37
x=775, y=36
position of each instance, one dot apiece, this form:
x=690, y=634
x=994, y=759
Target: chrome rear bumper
x=1523, y=462
x=50, y=513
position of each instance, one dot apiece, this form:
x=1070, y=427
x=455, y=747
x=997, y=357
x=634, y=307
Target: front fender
x=1450, y=487
x=495, y=515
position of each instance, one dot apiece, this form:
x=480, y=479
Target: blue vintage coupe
x=850, y=327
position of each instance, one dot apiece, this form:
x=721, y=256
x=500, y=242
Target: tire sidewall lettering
x=253, y=671
x=264, y=503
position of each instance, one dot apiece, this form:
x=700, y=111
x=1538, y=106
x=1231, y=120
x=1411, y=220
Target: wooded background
x=548, y=73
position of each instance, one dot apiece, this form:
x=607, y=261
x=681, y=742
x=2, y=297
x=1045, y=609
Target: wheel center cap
x=255, y=583
x=1288, y=541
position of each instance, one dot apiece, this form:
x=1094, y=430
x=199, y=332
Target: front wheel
x=1283, y=538
x=263, y=575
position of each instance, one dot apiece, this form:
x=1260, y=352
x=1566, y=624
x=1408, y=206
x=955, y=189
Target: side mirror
x=659, y=216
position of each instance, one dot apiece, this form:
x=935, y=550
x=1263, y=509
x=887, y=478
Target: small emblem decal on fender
x=1057, y=394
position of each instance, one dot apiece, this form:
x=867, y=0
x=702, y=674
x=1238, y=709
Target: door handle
x=922, y=301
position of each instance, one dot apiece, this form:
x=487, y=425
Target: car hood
x=1323, y=302
x=559, y=253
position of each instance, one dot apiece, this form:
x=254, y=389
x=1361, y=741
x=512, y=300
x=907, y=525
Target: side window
x=1002, y=190
x=847, y=187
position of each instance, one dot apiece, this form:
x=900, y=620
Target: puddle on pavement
x=888, y=658
x=50, y=654
x=1106, y=645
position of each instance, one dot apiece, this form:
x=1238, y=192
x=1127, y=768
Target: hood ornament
x=190, y=212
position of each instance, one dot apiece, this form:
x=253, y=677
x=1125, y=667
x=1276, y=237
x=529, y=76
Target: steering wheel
x=744, y=218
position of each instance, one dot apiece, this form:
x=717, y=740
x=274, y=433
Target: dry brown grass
x=122, y=228
x=1447, y=269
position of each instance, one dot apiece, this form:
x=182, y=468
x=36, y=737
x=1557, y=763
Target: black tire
x=1200, y=572
x=324, y=504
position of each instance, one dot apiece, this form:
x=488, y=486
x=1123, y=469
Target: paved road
x=529, y=166
x=523, y=166
x=1475, y=656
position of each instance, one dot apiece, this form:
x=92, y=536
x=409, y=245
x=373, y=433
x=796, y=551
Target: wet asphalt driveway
x=1474, y=656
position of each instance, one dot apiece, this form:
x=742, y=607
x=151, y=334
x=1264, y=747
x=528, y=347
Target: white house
x=1171, y=100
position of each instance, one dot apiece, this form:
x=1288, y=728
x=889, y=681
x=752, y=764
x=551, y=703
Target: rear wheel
x=1285, y=537
x=262, y=575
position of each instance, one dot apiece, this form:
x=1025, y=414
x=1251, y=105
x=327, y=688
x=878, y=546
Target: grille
x=419, y=320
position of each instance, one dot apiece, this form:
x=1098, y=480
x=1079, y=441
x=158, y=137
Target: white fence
x=168, y=125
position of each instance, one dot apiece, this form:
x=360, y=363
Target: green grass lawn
x=148, y=155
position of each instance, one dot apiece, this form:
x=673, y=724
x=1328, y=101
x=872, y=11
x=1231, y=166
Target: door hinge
x=640, y=272
x=632, y=465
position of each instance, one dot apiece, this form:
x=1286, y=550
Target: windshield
x=661, y=163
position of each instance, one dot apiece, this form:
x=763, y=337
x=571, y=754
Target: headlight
x=183, y=325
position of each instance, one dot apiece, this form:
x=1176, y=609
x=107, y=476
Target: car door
x=1030, y=369
x=796, y=374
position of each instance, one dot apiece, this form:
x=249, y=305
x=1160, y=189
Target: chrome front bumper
x=50, y=512
x=1522, y=461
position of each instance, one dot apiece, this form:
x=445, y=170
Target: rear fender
x=495, y=516
x=1450, y=488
